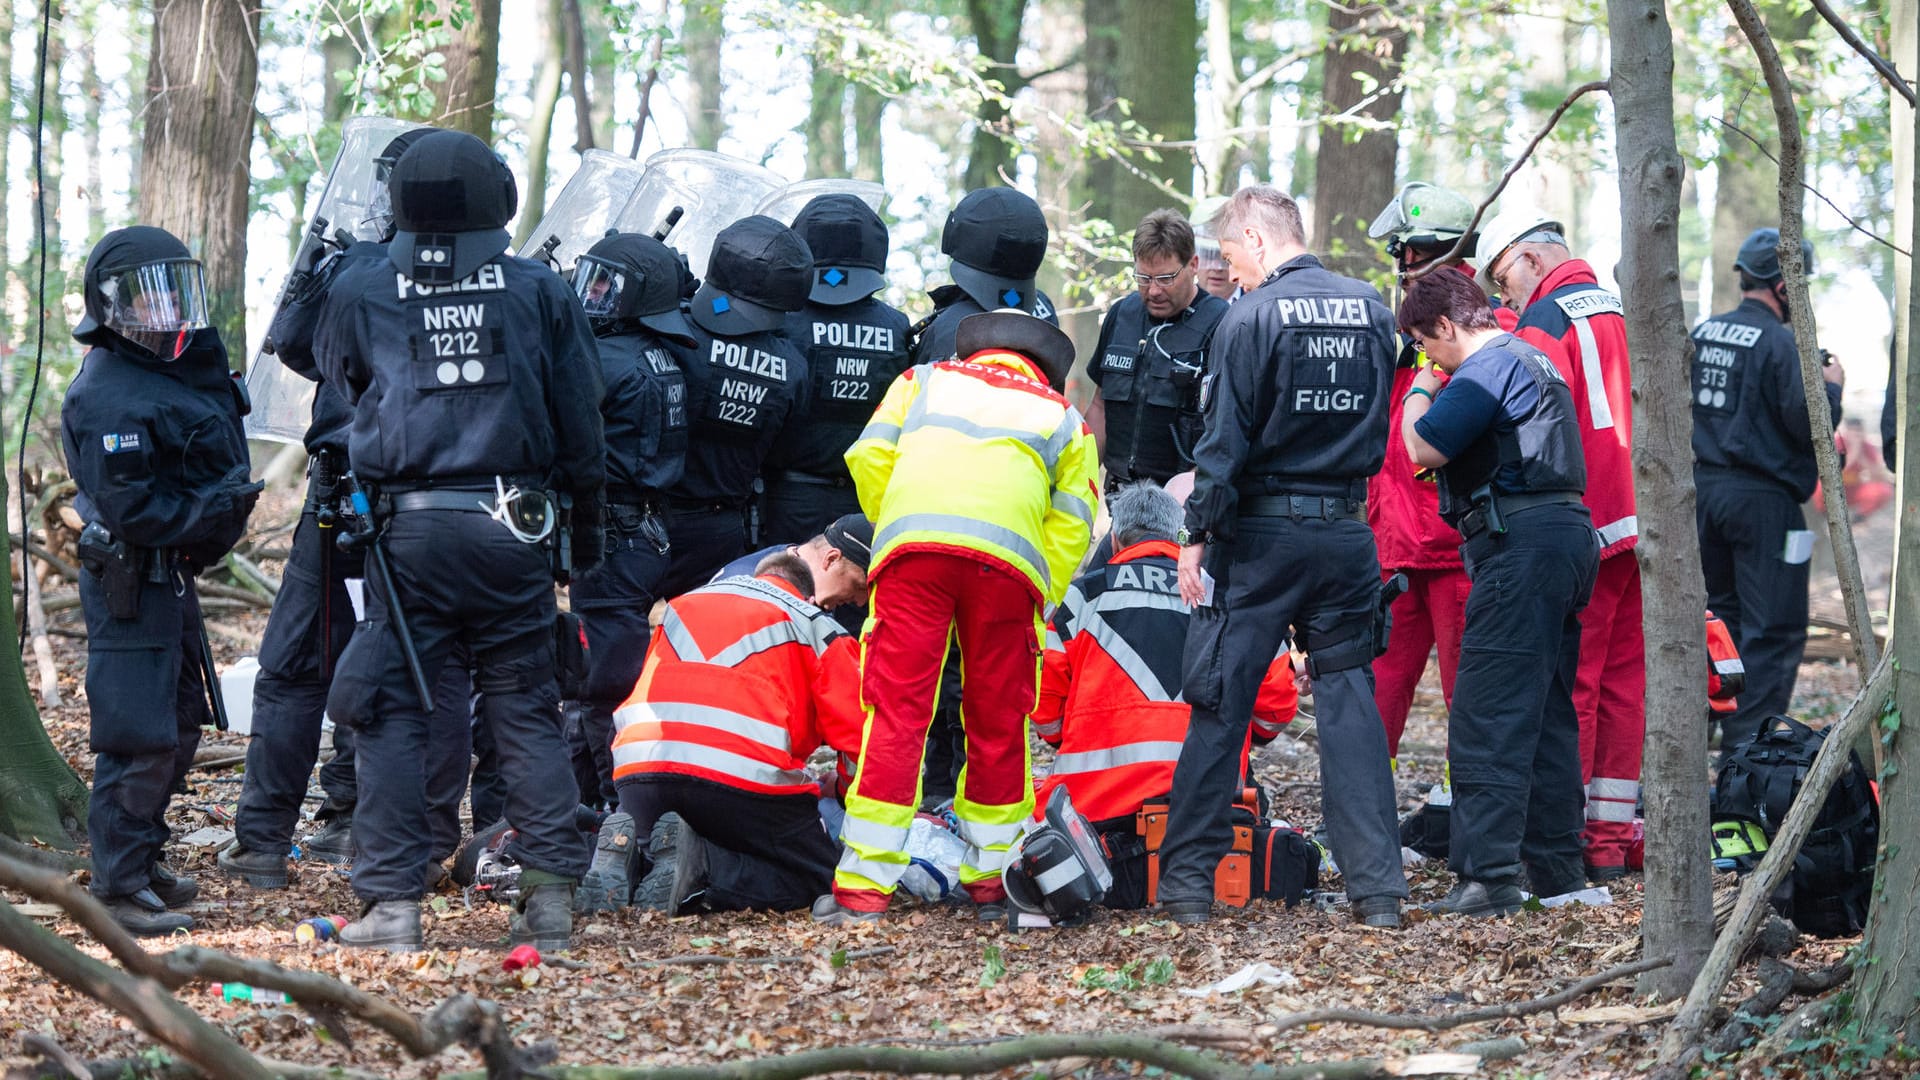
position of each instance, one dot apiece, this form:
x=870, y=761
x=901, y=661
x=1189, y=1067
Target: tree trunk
x=603, y=71
x=701, y=32
x=196, y=143
x=7, y=339
x=40, y=797
x=996, y=33
x=1678, y=917
x=1353, y=177
x=1889, y=986
x=827, y=121
x=546, y=96
x=1156, y=57
x=869, y=108
x=575, y=57
x=136, y=92
x=90, y=104
x=51, y=160
x=465, y=100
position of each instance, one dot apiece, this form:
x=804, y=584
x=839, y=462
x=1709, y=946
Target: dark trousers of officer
x=1513, y=739
x=704, y=539
x=764, y=852
x=795, y=510
x=147, y=700
x=487, y=795
x=1322, y=578
x=1744, y=524
x=462, y=579
x=613, y=600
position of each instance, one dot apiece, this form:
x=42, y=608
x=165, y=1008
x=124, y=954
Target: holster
x=560, y=541
x=117, y=564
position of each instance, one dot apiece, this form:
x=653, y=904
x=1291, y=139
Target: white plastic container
x=236, y=688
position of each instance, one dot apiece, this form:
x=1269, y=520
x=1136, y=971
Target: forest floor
x=947, y=978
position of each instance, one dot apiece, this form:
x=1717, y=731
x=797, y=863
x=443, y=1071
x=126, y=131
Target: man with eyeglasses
x=1151, y=356
x=1523, y=254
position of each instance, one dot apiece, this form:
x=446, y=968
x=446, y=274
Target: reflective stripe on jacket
x=1110, y=685
x=743, y=680
x=980, y=457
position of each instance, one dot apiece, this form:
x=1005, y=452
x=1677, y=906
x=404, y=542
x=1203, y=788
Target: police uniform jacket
x=495, y=375
x=1571, y=308
x=1296, y=397
x=1145, y=397
x=292, y=332
x=951, y=304
x=1749, y=404
x=742, y=391
x=1110, y=685
x=743, y=681
x=854, y=351
x=645, y=413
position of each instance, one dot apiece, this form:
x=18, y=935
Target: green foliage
x=994, y=969
x=1131, y=976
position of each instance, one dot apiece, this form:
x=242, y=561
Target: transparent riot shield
x=784, y=205
x=712, y=190
x=584, y=209
x=344, y=213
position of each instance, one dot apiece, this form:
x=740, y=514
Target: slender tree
x=1354, y=174
x=996, y=34
x=702, y=29
x=464, y=101
x=546, y=97
x=86, y=30
x=1153, y=61
x=826, y=120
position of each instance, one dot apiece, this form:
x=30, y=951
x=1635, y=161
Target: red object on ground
x=522, y=956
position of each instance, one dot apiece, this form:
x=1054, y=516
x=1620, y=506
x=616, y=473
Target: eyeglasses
x=1162, y=280
x=1498, y=275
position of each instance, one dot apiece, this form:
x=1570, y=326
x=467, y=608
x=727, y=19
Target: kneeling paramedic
x=151, y=429
x=476, y=393
x=1506, y=441
x=981, y=481
x=743, y=682
x=1110, y=686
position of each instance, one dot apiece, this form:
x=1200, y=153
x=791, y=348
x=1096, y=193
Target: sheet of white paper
x=1799, y=547
x=1206, y=588
x=357, y=593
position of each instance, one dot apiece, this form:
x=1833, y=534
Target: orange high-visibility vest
x=743, y=680
x=1726, y=675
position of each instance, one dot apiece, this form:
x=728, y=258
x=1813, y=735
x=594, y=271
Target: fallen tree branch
x=1682, y=1038
x=1778, y=979
x=49, y=1048
x=243, y=567
x=55, y=887
x=1445, y=1021
x=233, y=592
x=1459, y=249
x=161, y=1066
x=1817, y=193
x=33, y=856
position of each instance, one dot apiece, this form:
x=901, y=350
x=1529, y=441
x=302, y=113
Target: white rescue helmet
x=1510, y=227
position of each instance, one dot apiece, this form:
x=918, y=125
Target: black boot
x=260, y=869
x=543, y=918
x=393, y=925
x=679, y=871
x=608, y=884
x=144, y=915
x=1478, y=898
x=174, y=890
x=333, y=842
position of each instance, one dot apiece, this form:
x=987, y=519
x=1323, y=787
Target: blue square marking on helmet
x=1012, y=297
x=833, y=277
x=720, y=305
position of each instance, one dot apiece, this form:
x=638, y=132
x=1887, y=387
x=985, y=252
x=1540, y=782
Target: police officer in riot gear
x=476, y=392
x=1754, y=467
x=745, y=381
x=152, y=432
x=855, y=344
x=997, y=238
x=1151, y=357
x=629, y=285
x=1505, y=438
x=1296, y=419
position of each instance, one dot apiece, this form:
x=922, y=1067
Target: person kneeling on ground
x=743, y=680
x=1110, y=684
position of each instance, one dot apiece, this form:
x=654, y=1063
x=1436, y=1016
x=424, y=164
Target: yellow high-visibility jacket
x=981, y=458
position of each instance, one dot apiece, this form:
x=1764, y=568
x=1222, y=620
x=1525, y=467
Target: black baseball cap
x=997, y=238
x=1760, y=254
x=653, y=268
x=452, y=198
x=759, y=271
x=852, y=536
x=849, y=245
x=1048, y=346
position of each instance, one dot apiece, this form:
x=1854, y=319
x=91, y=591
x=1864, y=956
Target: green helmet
x=1422, y=214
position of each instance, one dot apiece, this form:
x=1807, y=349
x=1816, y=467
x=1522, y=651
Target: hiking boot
x=1187, y=912
x=1381, y=912
x=393, y=925
x=1600, y=875
x=174, y=890
x=608, y=883
x=260, y=869
x=144, y=915
x=993, y=911
x=333, y=842
x=828, y=912
x=1478, y=898
x=679, y=871
x=544, y=918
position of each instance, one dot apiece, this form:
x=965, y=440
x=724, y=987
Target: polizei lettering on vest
x=853, y=336
x=750, y=360
x=1734, y=334
x=1324, y=310
x=489, y=278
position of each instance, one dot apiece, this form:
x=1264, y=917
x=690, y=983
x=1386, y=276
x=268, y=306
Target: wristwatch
x=1186, y=536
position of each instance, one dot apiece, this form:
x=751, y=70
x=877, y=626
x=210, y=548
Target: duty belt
x=1301, y=507
x=701, y=506
x=478, y=502
x=815, y=479
x=1478, y=520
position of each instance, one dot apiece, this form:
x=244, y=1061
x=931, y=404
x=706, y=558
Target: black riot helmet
x=759, y=271
x=849, y=245
x=452, y=199
x=998, y=239
x=380, y=206
x=628, y=278
x=142, y=286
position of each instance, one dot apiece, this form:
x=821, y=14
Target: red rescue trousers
x=1610, y=697
x=1433, y=611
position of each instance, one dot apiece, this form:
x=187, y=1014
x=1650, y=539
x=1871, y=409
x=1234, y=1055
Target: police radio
x=1056, y=870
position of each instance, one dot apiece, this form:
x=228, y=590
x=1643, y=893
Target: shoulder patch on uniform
x=121, y=444
x=1588, y=303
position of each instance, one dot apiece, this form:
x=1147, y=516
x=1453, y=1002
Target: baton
x=673, y=218
x=383, y=579
x=215, y=698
